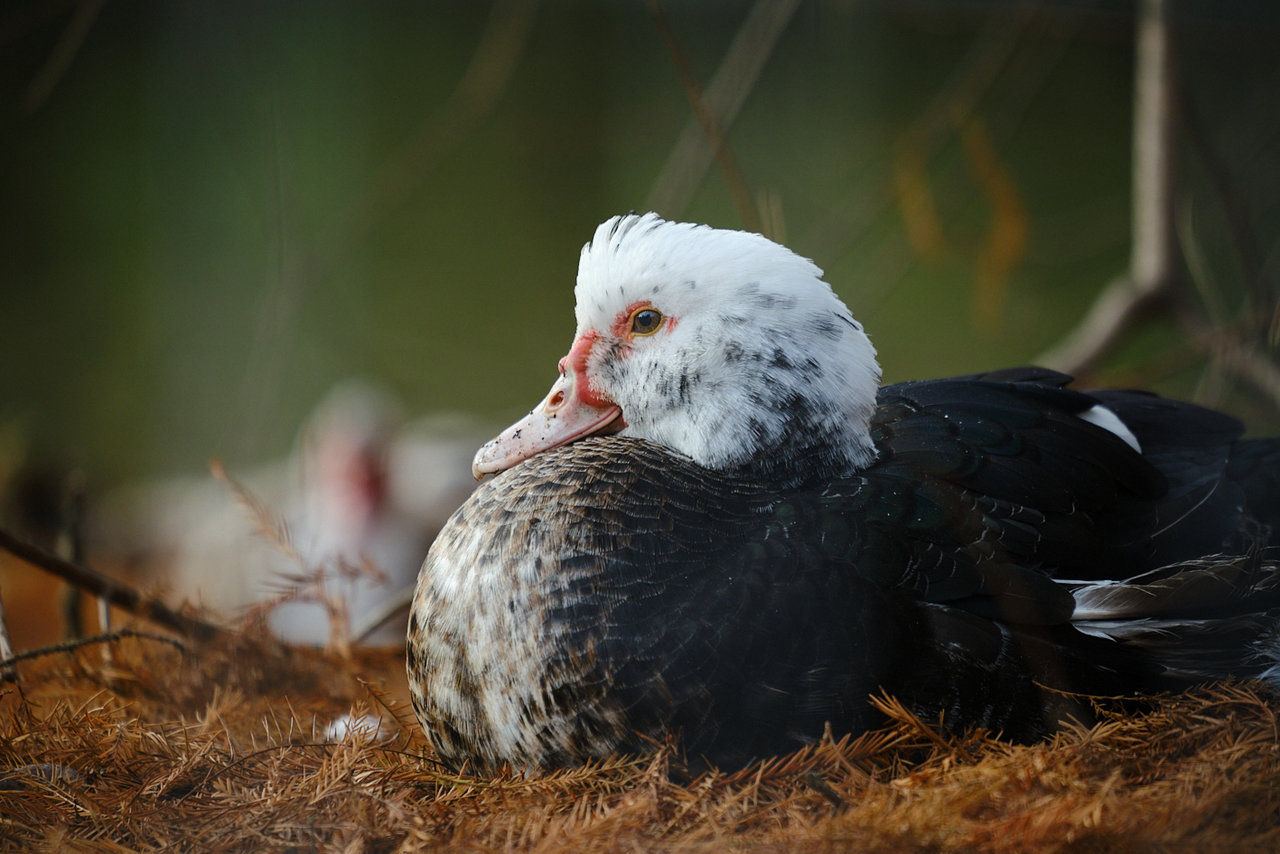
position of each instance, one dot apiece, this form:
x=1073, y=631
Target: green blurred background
x=211, y=212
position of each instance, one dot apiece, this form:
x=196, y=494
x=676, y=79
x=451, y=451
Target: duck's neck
x=808, y=418
x=811, y=450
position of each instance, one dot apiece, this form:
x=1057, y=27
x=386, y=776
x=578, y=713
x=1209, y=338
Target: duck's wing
x=987, y=487
x=992, y=490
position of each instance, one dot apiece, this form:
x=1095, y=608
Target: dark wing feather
x=1201, y=511
x=1051, y=490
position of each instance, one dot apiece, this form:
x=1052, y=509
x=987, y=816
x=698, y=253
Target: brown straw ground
x=224, y=745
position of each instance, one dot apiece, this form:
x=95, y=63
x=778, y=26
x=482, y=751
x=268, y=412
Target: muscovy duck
x=718, y=526
x=362, y=496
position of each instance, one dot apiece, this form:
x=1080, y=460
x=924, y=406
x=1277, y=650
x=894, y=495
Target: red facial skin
x=574, y=407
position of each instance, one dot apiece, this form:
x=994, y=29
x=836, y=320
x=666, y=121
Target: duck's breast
x=610, y=592
x=512, y=603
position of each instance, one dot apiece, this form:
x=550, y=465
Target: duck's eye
x=646, y=321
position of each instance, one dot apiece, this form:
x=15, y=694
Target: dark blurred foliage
x=211, y=212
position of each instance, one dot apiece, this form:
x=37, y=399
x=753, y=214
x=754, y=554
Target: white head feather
x=757, y=358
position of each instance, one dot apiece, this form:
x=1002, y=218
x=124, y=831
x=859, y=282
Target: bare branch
x=1154, y=247
x=64, y=52
x=717, y=107
x=7, y=671
x=1120, y=304
x=1154, y=254
x=78, y=643
x=115, y=592
x=1235, y=356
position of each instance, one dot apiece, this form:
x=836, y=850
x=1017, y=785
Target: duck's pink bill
x=560, y=418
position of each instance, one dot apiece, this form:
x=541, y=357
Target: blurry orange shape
x=1006, y=240
x=915, y=196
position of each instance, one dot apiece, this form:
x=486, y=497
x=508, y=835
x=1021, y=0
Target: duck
x=719, y=530
x=353, y=506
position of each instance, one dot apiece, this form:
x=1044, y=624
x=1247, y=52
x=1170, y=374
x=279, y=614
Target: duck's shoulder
x=628, y=515
x=987, y=486
x=621, y=479
x=1018, y=434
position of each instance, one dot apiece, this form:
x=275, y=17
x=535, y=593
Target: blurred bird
x=323, y=545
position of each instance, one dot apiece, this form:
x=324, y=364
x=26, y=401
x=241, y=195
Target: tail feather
x=1193, y=651
x=1212, y=586
x=1212, y=618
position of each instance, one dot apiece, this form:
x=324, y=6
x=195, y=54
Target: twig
x=64, y=52
x=7, y=671
x=1234, y=355
x=724, y=97
x=484, y=82
x=814, y=780
x=1153, y=258
x=115, y=592
x=716, y=108
x=270, y=526
x=1120, y=304
x=70, y=544
x=73, y=645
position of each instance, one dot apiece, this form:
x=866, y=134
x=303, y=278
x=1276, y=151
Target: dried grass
x=223, y=748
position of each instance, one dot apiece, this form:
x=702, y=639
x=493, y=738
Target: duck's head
x=721, y=345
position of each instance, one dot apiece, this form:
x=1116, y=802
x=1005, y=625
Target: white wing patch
x=1102, y=417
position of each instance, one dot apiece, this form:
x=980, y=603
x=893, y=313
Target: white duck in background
x=360, y=500
x=718, y=526
x=351, y=541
